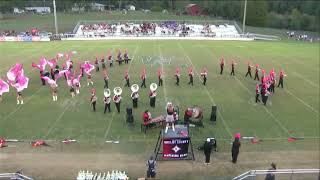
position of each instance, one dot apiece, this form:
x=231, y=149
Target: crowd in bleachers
x=167, y=28
x=31, y=32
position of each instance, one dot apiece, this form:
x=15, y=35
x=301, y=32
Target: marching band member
x=117, y=101
x=106, y=78
x=93, y=99
x=119, y=57
x=126, y=57
x=256, y=75
x=264, y=93
x=272, y=81
x=169, y=117
x=249, y=70
x=160, y=76
x=204, y=75
x=257, y=93
x=146, y=116
x=110, y=59
x=107, y=102
x=96, y=63
x=127, y=78
x=190, y=73
x=232, y=67
x=177, y=75
x=134, y=97
x=281, y=76
x=221, y=65
x=143, y=78
x=152, y=97
x=263, y=72
x=103, y=63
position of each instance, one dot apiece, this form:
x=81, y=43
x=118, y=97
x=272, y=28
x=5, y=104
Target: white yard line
x=305, y=79
x=123, y=84
x=304, y=103
x=162, y=69
x=209, y=95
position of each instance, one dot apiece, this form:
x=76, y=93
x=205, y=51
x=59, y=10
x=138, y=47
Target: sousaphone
x=153, y=86
x=135, y=88
x=107, y=92
x=117, y=91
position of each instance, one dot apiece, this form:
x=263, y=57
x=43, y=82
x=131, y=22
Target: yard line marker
x=267, y=110
x=112, y=117
x=209, y=95
x=58, y=119
x=306, y=104
x=162, y=69
x=307, y=80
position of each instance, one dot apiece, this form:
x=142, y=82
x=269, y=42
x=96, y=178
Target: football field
x=290, y=112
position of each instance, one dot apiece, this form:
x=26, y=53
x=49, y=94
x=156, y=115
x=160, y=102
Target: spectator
x=151, y=164
x=270, y=175
x=235, y=148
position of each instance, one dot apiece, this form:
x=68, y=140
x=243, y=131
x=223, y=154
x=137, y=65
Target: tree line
x=288, y=14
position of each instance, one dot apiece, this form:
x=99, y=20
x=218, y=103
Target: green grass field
x=292, y=111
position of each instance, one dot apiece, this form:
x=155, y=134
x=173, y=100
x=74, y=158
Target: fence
x=287, y=174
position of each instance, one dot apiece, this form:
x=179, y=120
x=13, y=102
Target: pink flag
x=88, y=67
x=42, y=64
x=15, y=71
x=21, y=83
x=4, y=87
x=52, y=63
x=49, y=80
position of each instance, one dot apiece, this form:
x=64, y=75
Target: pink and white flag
x=88, y=67
x=42, y=64
x=16, y=70
x=4, y=87
x=52, y=63
x=21, y=83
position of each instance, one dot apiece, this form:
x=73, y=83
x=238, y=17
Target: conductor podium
x=174, y=145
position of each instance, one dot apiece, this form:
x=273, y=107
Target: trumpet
x=117, y=91
x=153, y=86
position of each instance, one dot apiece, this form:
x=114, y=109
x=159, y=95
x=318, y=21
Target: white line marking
x=306, y=104
x=307, y=80
x=112, y=117
x=13, y=112
x=209, y=95
x=162, y=69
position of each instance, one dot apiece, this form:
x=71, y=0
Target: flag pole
x=244, y=17
x=55, y=16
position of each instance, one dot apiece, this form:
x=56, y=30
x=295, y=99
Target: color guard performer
x=117, y=97
x=256, y=74
x=249, y=70
x=160, y=77
x=107, y=100
x=89, y=80
x=257, y=93
x=281, y=76
x=204, y=75
x=177, y=75
x=263, y=72
x=221, y=65
x=143, y=78
x=4, y=87
x=153, y=94
x=19, y=97
x=169, y=117
x=93, y=99
x=135, y=95
x=190, y=73
x=127, y=78
x=103, y=64
x=106, y=79
x=232, y=67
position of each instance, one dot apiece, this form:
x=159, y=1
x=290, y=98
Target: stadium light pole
x=244, y=17
x=55, y=16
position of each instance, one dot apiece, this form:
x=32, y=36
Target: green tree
x=295, y=19
x=257, y=12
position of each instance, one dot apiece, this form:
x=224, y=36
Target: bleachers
x=164, y=29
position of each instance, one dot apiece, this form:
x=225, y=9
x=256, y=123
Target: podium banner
x=176, y=148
